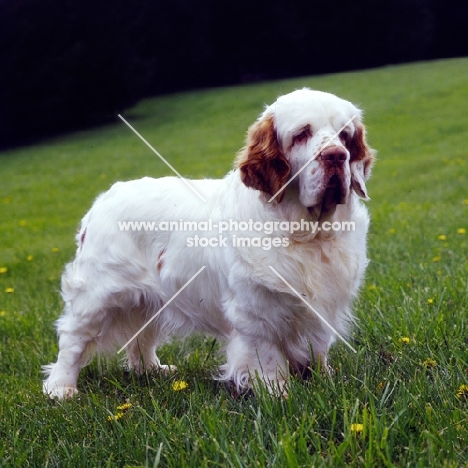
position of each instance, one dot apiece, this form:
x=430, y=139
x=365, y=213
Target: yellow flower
x=179, y=385
x=461, y=231
x=124, y=407
x=357, y=428
x=10, y=290
x=436, y=259
x=430, y=301
x=23, y=222
x=392, y=231
x=2, y=313
x=55, y=249
x=465, y=201
x=115, y=417
x=3, y=269
x=442, y=237
x=29, y=258
x=430, y=363
x=380, y=386
x=463, y=391
x=404, y=339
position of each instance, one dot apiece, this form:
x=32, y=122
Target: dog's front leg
x=251, y=359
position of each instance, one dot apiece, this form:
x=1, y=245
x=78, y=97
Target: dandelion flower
x=179, y=385
x=461, y=231
x=124, y=407
x=357, y=428
x=463, y=392
x=55, y=249
x=404, y=340
x=430, y=301
x=392, y=231
x=23, y=222
x=10, y=290
x=430, y=363
x=115, y=417
x=2, y=313
x=436, y=259
x=3, y=269
x=29, y=258
x=442, y=237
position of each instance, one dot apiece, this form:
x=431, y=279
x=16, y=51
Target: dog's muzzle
x=335, y=180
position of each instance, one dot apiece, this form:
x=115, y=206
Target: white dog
x=305, y=161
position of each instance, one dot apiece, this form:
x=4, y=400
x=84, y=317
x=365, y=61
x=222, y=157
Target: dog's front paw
x=59, y=392
x=166, y=369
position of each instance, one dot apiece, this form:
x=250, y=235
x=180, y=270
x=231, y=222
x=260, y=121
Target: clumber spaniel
x=277, y=297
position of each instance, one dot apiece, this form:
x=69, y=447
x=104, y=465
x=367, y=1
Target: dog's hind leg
x=76, y=346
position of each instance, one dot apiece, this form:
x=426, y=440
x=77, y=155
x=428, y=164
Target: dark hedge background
x=67, y=64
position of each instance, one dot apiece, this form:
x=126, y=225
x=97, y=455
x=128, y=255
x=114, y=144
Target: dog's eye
x=302, y=136
x=344, y=136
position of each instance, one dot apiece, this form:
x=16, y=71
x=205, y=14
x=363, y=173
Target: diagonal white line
x=312, y=158
x=313, y=310
x=161, y=309
x=185, y=181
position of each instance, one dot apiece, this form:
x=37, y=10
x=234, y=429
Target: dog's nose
x=333, y=155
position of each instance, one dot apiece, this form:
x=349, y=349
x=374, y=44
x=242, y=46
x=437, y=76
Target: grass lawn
x=394, y=403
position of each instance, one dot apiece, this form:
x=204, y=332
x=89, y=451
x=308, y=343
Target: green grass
x=404, y=394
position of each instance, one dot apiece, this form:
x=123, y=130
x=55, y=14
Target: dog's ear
x=361, y=161
x=261, y=162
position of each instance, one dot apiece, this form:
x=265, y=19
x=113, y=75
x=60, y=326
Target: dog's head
x=310, y=141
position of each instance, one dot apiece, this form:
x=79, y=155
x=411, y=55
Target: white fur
x=120, y=279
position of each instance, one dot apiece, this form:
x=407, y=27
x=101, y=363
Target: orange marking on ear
x=359, y=149
x=262, y=164
x=361, y=161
